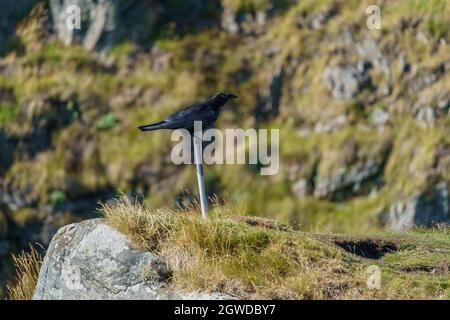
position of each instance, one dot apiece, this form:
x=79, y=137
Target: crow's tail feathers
x=153, y=126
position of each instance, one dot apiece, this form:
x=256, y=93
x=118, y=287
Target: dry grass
x=27, y=265
x=253, y=262
x=258, y=259
x=145, y=229
x=233, y=255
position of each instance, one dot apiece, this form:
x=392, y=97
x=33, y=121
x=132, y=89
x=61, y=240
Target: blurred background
x=363, y=112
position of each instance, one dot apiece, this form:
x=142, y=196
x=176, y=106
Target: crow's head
x=223, y=97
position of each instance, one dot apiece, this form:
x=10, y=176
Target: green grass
x=57, y=197
x=106, y=122
x=251, y=257
x=434, y=12
x=8, y=113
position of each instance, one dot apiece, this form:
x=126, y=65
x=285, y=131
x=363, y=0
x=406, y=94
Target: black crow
x=207, y=112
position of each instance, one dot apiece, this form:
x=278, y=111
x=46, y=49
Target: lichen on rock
x=91, y=260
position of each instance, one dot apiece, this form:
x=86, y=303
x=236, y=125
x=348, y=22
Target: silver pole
x=200, y=179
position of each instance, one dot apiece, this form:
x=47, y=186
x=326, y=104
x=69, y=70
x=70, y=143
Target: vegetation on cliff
x=256, y=258
x=352, y=161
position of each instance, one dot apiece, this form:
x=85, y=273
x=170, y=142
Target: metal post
x=200, y=179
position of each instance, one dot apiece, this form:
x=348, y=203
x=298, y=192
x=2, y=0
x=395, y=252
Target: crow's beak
x=232, y=96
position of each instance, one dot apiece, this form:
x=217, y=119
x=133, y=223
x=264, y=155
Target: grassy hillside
x=259, y=258
x=70, y=116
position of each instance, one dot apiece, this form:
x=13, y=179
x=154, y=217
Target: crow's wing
x=187, y=116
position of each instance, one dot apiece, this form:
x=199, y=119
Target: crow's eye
x=222, y=95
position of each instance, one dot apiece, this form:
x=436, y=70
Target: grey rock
x=301, y=188
x=379, y=117
x=345, y=82
x=316, y=20
x=444, y=105
x=304, y=132
x=386, y=90
x=269, y=99
x=229, y=21
x=368, y=50
x=428, y=109
x=245, y=22
x=103, y=23
x=422, y=209
x=426, y=117
x=91, y=260
x=343, y=179
x=261, y=17
x=331, y=125
x=272, y=50
x=422, y=37
x=15, y=199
